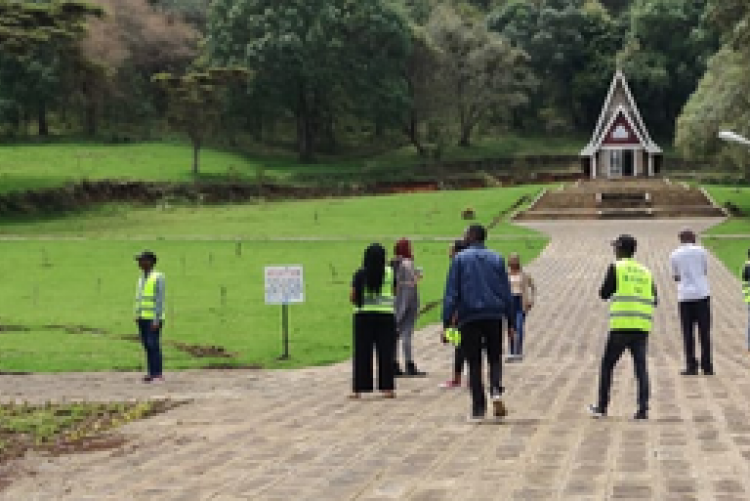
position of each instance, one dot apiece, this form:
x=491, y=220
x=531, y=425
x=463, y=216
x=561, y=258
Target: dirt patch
x=200, y=351
x=14, y=328
x=195, y=350
x=59, y=429
x=76, y=329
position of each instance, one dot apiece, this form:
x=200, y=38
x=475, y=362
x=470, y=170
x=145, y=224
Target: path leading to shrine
x=294, y=436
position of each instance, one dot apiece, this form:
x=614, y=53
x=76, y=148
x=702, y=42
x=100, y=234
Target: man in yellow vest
x=630, y=288
x=149, y=313
x=746, y=292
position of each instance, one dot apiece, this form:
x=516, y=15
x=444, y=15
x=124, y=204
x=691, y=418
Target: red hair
x=403, y=249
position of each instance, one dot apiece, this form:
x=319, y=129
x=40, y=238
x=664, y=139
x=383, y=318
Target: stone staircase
x=622, y=199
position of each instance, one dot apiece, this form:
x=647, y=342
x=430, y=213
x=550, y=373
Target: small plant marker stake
x=238, y=248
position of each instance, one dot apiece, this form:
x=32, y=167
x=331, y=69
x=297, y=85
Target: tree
x=39, y=54
x=552, y=33
x=721, y=99
x=666, y=52
x=312, y=55
x=131, y=43
x=195, y=102
x=482, y=72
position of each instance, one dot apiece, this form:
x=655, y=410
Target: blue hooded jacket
x=478, y=287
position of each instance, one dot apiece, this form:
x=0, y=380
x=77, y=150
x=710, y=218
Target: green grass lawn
x=70, y=304
x=41, y=165
x=738, y=196
x=731, y=251
x=423, y=214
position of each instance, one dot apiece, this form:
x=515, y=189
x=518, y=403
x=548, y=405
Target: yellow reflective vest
x=745, y=284
x=632, y=305
x=383, y=302
x=145, y=299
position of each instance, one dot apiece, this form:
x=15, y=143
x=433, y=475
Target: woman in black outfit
x=372, y=295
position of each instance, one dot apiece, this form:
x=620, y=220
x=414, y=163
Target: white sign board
x=284, y=285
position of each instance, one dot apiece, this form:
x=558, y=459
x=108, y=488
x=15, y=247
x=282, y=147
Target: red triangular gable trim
x=621, y=133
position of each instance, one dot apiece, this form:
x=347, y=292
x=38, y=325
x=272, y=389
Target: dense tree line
x=722, y=100
x=323, y=75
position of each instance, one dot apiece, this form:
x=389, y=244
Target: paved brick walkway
x=294, y=436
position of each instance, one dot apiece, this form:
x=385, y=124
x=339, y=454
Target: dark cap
x=147, y=254
x=687, y=236
x=626, y=243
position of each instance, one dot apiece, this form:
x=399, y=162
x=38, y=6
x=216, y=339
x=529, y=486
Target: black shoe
x=397, y=370
x=641, y=415
x=596, y=412
x=708, y=373
x=411, y=370
x=689, y=372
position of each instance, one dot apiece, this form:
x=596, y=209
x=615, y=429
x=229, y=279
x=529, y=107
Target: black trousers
x=150, y=339
x=373, y=332
x=474, y=336
x=618, y=342
x=692, y=314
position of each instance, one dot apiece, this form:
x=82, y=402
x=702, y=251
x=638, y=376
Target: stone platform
x=622, y=199
x=293, y=435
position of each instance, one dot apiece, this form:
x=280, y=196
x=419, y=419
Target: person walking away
x=689, y=265
x=373, y=296
x=746, y=293
x=524, y=292
x=477, y=298
x=407, y=306
x=458, y=353
x=630, y=288
x=150, y=313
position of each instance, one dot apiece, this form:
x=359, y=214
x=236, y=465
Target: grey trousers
x=405, y=330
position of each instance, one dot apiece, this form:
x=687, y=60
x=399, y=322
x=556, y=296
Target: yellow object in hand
x=453, y=336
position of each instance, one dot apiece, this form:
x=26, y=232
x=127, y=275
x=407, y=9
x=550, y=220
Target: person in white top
x=689, y=265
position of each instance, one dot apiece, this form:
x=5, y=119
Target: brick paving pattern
x=293, y=435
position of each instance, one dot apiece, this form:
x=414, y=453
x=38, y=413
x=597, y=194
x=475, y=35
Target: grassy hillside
x=423, y=214
x=34, y=165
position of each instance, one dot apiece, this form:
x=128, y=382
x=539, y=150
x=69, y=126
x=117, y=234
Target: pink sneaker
x=450, y=384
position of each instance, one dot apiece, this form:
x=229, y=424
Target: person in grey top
x=150, y=313
x=407, y=306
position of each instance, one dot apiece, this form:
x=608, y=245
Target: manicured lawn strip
x=421, y=214
x=740, y=198
x=70, y=308
x=731, y=251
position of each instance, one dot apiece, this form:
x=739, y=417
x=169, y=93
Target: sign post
x=284, y=285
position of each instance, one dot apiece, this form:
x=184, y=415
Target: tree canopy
x=331, y=76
